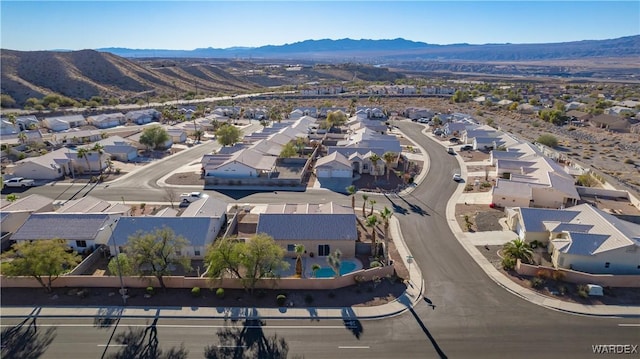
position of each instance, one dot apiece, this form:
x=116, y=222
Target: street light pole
x=115, y=247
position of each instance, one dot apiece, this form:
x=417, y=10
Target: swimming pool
x=327, y=272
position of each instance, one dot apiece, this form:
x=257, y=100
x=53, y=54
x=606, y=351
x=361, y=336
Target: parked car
x=19, y=182
x=457, y=177
x=466, y=148
x=437, y=132
x=451, y=151
x=454, y=140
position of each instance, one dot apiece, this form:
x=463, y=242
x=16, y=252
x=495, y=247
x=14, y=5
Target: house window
x=81, y=244
x=291, y=247
x=323, y=250
x=606, y=265
x=196, y=252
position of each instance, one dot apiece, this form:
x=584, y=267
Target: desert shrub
x=220, y=292
x=468, y=187
x=629, y=161
x=562, y=289
x=542, y=274
x=557, y=275
x=508, y=263
x=281, y=299
x=195, y=291
x=537, y=282
x=150, y=290
x=308, y=299
x=583, y=291
x=485, y=184
x=375, y=264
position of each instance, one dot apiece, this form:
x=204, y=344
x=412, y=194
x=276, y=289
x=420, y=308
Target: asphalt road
x=465, y=314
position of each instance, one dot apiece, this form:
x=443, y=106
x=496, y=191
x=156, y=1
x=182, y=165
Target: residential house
x=107, y=120
x=324, y=111
x=24, y=137
x=620, y=111
x=178, y=135
x=141, y=117
x=610, y=123
x=526, y=178
x=455, y=128
x=119, y=148
x=23, y=123
x=53, y=165
x=582, y=238
x=437, y=90
x=78, y=137
x=61, y=123
x=15, y=214
x=366, y=137
x=321, y=228
x=242, y=164
x=90, y=204
x=528, y=108
x=415, y=113
x=578, y=118
x=360, y=158
x=334, y=165
x=504, y=102
x=574, y=106
x=303, y=111
x=198, y=231
x=82, y=231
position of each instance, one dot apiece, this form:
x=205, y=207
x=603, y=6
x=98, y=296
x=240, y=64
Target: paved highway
x=464, y=315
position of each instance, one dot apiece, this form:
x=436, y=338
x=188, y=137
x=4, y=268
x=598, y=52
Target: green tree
x=351, y=190
x=157, y=253
x=12, y=197
x=197, y=135
x=154, y=136
x=299, y=249
x=288, y=150
x=389, y=159
x=7, y=101
x=336, y=118
x=386, y=214
x=228, y=135
x=114, y=102
x=372, y=202
x=372, y=221
x=124, y=265
x=548, y=140
x=436, y=121
x=99, y=149
x=261, y=257
x=518, y=249
x=585, y=180
x=22, y=137
x=334, y=261
x=460, y=96
x=44, y=260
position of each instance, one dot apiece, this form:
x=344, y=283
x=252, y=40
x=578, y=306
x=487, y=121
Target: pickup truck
x=19, y=182
x=191, y=197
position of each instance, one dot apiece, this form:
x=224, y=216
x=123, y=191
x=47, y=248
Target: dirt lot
x=482, y=217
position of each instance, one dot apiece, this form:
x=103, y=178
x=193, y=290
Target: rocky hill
x=87, y=73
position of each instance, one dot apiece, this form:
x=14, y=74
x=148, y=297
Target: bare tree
x=170, y=196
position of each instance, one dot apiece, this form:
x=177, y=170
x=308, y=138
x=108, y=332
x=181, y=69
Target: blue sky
x=74, y=25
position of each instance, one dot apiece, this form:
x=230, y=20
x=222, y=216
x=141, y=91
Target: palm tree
x=334, y=261
x=365, y=197
x=22, y=137
x=197, y=134
x=372, y=221
x=315, y=268
x=519, y=249
x=98, y=148
x=374, y=165
x=372, y=202
x=299, y=249
x=386, y=214
x=352, y=192
x=109, y=164
x=84, y=153
x=389, y=158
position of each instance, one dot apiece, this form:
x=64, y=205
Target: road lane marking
x=354, y=347
x=112, y=345
x=629, y=325
x=79, y=325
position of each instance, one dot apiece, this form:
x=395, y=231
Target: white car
x=191, y=197
x=457, y=177
x=19, y=182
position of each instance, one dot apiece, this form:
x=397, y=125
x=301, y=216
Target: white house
x=141, y=117
x=50, y=166
x=61, y=123
x=332, y=166
x=178, y=135
x=107, y=120
x=245, y=163
x=582, y=238
x=119, y=148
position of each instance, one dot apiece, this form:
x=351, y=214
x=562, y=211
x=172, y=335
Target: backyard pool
x=345, y=267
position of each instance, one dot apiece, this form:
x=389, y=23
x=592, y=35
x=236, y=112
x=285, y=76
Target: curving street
x=464, y=314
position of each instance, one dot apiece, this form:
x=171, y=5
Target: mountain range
x=401, y=49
